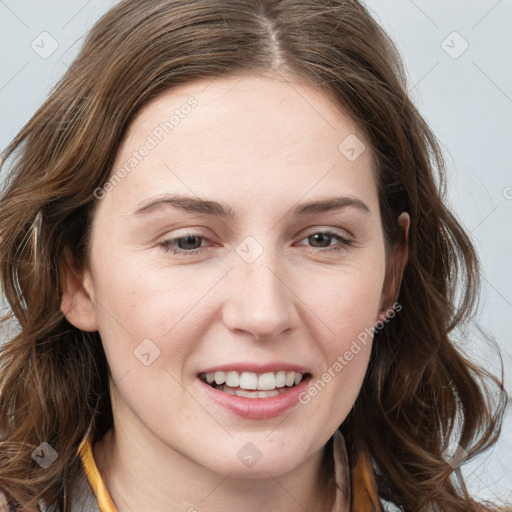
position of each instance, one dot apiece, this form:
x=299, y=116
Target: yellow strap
x=105, y=502
x=365, y=497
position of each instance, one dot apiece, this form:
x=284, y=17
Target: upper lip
x=275, y=366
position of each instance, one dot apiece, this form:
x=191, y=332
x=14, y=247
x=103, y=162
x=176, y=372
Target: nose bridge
x=260, y=300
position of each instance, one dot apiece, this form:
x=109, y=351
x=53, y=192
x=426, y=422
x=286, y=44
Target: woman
x=185, y=344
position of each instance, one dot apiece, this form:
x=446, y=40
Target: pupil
x=315, y=237
x=188, y=240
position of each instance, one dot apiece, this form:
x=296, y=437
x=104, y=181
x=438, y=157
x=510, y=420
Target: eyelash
x=168, y=245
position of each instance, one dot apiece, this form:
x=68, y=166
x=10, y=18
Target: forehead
x=249, y=135
x=252, y=108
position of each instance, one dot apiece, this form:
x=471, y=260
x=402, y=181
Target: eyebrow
x=207, y=207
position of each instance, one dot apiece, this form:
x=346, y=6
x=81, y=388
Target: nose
x=260, y=301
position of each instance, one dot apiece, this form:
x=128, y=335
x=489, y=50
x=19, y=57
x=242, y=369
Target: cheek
x=347, y=301
x=137, y=301
x=331, y=394
x=345, y=339
x=348, y=304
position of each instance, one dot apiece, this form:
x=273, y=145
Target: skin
x=259, y=146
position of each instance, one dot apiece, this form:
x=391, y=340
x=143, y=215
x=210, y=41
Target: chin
x=249, y=462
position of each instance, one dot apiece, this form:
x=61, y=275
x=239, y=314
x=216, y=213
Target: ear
x=395, y=268
x=77, y=302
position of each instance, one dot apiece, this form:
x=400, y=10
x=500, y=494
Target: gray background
x=457, y=54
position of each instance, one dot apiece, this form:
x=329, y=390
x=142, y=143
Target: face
x=242, y=249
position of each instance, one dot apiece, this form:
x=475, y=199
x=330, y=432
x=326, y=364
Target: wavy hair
x=420, y=390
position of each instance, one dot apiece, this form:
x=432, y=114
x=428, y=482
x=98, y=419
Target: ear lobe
x=76, y=303
x=396, y=266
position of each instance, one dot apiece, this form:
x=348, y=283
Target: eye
x=324, y=238
x=188, y=244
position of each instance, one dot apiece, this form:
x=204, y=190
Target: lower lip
x=257, y=408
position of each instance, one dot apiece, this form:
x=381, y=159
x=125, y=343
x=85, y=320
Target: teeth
x=220, y=378
x=251, y=394
x=290, y=378
x=248, y=380
x=280, y=379
x=247, y=394
x=266, y=382
x=265, y=394
x=232, y=379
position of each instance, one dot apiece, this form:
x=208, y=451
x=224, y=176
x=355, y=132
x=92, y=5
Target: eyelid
x=331, y=231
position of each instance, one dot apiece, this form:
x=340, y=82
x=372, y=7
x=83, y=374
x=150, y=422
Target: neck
x=153, y=477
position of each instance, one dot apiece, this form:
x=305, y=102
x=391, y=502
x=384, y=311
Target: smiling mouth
x=253, y=385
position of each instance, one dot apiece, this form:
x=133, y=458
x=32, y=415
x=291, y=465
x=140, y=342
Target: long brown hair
x=419, y=390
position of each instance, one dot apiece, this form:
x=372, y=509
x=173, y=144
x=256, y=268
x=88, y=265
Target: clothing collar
x=354, y=486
